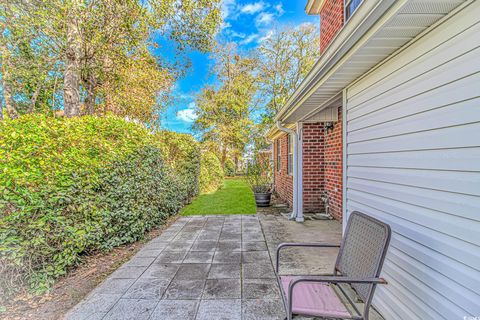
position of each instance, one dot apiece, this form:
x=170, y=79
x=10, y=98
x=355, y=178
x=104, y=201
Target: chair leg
x=289, y=314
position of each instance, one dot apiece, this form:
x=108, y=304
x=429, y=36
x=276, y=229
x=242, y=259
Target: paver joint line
x=203, y=267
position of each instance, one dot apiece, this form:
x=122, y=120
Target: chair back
x=363, y=251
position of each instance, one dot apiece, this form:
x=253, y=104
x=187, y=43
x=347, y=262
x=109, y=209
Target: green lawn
x=235, y=197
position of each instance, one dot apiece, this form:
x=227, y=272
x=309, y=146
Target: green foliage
x=224, y=111
x=284, y=59
x=211, y=172
x=230, y=170
x=107, y=44
x=182, y=154
x=72, y=186
x=258, y=175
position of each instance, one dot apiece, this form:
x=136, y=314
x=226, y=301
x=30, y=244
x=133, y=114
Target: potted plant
x=259, y=177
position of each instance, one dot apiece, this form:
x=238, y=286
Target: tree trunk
x=7, y=95
x=108, y=66
x=71, y=83
x=7, y=89
x=34, y=99
x=224, y=157
x=90, y=86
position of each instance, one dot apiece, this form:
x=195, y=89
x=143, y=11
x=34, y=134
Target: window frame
x=290, y=155
x=346, y=3
x=279, y=154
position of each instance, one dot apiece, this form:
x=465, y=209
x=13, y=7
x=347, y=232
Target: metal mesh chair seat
x=316, y=299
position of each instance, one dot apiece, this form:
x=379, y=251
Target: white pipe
x=299, y=172
x=297, y=212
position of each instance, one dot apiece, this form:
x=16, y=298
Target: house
x=387, y=122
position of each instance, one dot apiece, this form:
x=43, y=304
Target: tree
x=284, y=59
x=6, y=84
x=32, y=44
x=224, y=110
x=138, y=88
x=116, y=60
x=6, y=65
x=71, y=79
x=91, y=45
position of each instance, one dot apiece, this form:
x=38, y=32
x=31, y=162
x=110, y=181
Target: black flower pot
x=263, y=199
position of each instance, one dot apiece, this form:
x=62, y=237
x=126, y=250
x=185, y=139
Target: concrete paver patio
x=210, y=267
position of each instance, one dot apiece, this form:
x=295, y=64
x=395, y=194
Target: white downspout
x=297, y=212
x=299, y=172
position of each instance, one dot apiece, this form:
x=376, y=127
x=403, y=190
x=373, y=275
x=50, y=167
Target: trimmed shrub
x=211, y=172
x=72, y=186
x=230, y=170
x=181, y=152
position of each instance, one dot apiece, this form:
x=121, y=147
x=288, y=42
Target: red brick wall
x=283, y=181
x=333, y=167
x=313, y=166
x=322, y=168
x=331, y=21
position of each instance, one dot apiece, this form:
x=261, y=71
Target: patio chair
x=358, y=265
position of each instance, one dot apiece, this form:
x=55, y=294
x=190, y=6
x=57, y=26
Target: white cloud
x=279, y=8
x=235, y=34
x=249, y=39
x=264, y=18
x=252, y=8
x=267, y=36
x=306, y=25
x=189, y=114
x=225, y=25
x=228, y=7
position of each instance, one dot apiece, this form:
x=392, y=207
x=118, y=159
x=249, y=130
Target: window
x=279, y=153
x=350, y=7
x=290, y=155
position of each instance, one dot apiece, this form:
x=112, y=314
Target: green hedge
x=181, y=151
x=230, y=170
x=73, y=186
x=211, y=172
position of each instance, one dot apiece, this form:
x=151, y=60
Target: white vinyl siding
x=413, y=161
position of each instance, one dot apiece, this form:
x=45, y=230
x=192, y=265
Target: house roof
x=375, y=31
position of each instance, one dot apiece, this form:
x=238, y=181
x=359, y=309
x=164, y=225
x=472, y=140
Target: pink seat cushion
x=314, y=298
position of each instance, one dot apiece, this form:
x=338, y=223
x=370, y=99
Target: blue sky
x=245, y=22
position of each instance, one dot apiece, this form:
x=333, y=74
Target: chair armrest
x=301, y=244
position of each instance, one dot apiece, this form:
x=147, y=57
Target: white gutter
x=297, y=212
x=344, y=40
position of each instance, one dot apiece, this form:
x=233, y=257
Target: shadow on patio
x=211, y=267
